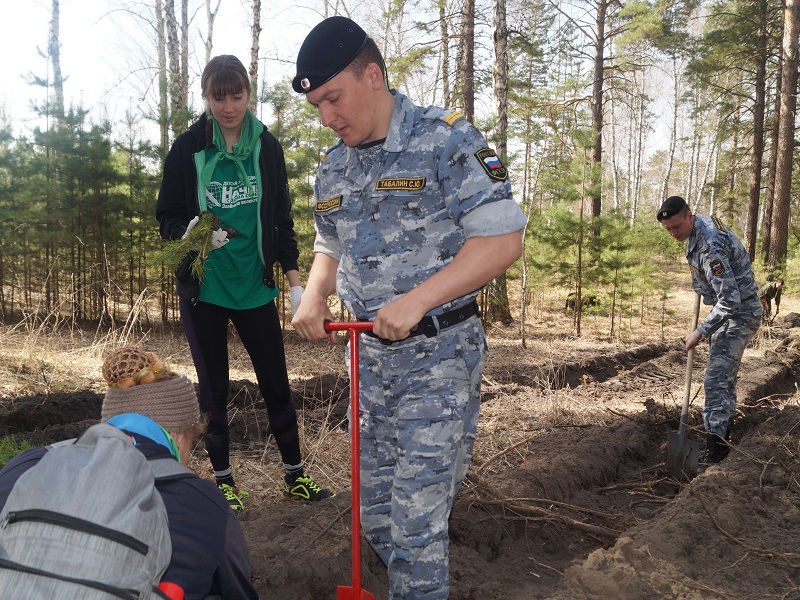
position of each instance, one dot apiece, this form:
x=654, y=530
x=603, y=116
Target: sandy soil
x=568, y=496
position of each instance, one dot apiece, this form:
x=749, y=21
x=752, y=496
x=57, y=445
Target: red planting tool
x=355, y=591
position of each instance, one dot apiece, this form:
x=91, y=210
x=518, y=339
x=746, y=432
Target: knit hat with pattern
x=139, y=382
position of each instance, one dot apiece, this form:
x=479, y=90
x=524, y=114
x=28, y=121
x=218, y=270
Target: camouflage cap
x=326, y=52
x=671, y=207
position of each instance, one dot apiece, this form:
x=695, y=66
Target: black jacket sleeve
x=285, y=252
x=177, y=197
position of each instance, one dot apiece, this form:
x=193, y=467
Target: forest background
x=569, y=92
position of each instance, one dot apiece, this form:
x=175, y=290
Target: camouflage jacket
x=769, y=292
x=394, y=223
x=721, y=272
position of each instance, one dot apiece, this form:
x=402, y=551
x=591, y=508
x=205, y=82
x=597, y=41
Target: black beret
x=671, y=207
x=326, y=52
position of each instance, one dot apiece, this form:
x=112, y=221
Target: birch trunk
x=255, y=31
x=211, y=16
x=57, y=107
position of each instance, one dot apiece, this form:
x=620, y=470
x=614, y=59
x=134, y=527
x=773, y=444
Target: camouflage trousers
x=420, y=400
x=726, y=347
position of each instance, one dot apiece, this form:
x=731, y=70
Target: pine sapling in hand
x=203, y=234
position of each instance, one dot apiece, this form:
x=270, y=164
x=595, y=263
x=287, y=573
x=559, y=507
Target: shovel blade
x=344, y=592
x=682, y=456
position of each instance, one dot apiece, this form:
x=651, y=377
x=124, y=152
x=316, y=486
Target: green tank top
x=234, y=274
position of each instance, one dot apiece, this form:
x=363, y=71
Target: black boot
x=728, y=430
x=716, y=449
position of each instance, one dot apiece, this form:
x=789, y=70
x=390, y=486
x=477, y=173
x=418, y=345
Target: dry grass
x=39, y=360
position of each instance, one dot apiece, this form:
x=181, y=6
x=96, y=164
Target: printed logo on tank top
x=230, y=194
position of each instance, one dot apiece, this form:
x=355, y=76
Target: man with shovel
x=771, y=291
x=414, y=214
x=723, y=276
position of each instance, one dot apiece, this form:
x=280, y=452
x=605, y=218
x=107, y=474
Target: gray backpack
x=87, y=523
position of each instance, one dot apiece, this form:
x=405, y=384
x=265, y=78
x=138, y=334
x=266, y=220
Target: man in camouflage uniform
x=769, y=292
x=414, y=214
x=723, y=276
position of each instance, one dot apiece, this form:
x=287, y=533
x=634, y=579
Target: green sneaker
x=303, y=488
x=234, y=496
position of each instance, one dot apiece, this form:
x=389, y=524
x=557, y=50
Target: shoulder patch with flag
x=717, y=267
x=491, y=164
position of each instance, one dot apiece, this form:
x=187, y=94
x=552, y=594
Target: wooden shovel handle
x=687, y=388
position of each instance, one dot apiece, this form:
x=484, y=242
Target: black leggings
x=206, y=327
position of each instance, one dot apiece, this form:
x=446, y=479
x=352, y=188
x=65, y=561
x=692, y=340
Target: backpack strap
x=167, y=469
x=164, y=469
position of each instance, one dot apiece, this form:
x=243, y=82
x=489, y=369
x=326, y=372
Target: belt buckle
x=430, y=328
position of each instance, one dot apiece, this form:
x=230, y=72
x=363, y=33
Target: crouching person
x=98, y=493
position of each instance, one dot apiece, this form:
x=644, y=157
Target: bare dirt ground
x=568, y=496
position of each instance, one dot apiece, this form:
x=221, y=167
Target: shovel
x=355, y=591
x=681, y=451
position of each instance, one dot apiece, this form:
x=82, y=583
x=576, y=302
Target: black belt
x=428, y=325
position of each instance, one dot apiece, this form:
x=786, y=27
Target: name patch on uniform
x=491, y=164
x=694, y=269
x=717, y=267
x=400, y=183
x=326, y=205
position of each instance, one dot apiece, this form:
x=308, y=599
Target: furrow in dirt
x=592, y=368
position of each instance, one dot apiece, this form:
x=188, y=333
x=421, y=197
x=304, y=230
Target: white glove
x=219, y=238
x=190, y=226
x=296, y=294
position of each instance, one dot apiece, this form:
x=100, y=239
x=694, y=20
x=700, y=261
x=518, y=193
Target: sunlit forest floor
x=568, y=495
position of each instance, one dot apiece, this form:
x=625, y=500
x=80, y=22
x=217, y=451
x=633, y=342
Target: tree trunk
x=673, y=136
x=55, y=60
x=499, y=307
x=163, y=99
x=758, y=133
x=613, y=155
x=773, y=161
x=500, y=76
x=211, y=16
x=445, y=33
x=642, y=115
x=783, y=173
x=468, y=68
x=256, y=36
x=173, y=53
x=184, y=81
x=57, y=110
x=595, y=190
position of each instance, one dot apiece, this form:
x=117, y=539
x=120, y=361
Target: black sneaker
x=303, y=488
x=233, y=495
